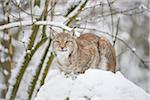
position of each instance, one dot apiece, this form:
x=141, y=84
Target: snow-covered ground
x=93, y=85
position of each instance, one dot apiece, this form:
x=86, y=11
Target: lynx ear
x=53, y=34
x=74, y=33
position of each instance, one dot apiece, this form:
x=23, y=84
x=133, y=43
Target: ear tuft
x=53, y=34
x=74, y=33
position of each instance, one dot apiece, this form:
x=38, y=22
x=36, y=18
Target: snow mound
x=93, y=85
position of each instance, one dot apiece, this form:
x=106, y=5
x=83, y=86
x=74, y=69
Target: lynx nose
x=63, y=49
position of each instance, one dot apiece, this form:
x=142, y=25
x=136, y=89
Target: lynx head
x=63, y=44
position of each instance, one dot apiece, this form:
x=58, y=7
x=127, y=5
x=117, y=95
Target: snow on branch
x=29, y=23
x=76, y=12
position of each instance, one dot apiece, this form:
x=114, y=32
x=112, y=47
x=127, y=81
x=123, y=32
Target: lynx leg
x=107, y=54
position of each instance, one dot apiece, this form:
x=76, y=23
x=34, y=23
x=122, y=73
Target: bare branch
x=111, y=14
x=20, y=8
x=99, y=4
x=76, y=12
x=128, y=12
x=117, y=28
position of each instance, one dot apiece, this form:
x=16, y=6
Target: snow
x=74, y=12
x=6, y=36
x=134, y=49
x=93, y=85
x=26, y=23
x=29, y=51
x=3, y=52
x=12, y=79
x=6, y=72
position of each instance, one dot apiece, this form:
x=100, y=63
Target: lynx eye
x=68, y=41
x=56, y=41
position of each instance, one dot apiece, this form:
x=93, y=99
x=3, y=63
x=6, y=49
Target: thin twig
x=22, y=9
x=117, y=28
x=72, y=16
x=106, y=14
x=111, y=14
x=122, y=53
x=52, y=6
x=97, y=5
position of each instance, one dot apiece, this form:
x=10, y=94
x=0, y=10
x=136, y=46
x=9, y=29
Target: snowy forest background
x=26, y=25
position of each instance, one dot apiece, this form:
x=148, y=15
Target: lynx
x=87, y=51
